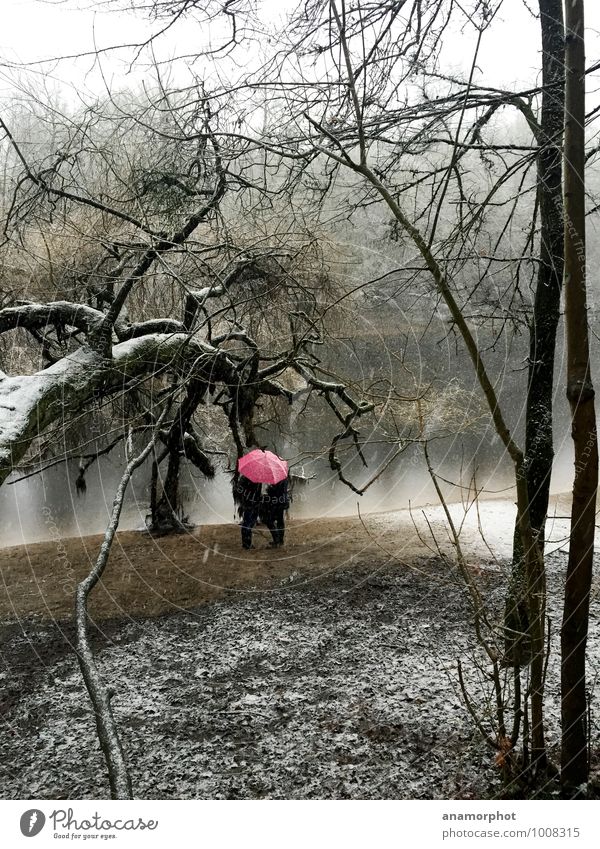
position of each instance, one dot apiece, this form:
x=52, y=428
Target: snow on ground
x=335, y=686
x=345, y=688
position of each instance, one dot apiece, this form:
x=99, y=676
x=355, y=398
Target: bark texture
x=580, y=392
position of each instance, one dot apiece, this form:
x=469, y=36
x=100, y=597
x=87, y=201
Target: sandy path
x=149, y=576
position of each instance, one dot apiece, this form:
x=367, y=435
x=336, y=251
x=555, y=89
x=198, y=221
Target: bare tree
x=580, y=392
x=354, y=126
x=157, y=311
x=539, y=451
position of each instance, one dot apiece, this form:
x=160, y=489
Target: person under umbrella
x=255, y=468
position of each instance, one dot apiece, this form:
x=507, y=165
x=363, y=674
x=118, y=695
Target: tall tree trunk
x=539, y=452
x=580, y=392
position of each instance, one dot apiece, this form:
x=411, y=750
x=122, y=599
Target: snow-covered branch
x=35, y=316
x=30, y=403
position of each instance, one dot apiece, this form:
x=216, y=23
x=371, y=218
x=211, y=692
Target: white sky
x=36, y=29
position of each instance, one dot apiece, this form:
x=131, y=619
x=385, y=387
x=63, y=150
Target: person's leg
x=269, y=521
x=248, y=522
x=267, y=518
x=280, y=528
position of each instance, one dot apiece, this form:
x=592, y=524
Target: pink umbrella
x=263, y=466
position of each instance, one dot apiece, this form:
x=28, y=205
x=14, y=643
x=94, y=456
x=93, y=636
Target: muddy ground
x=326, y=670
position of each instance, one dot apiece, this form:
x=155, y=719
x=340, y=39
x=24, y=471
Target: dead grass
x=149, y=576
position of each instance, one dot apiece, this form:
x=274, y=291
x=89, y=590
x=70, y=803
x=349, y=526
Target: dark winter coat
x=246, y=494
x=275, y=500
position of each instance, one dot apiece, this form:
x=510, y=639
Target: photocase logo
x=32, y=822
